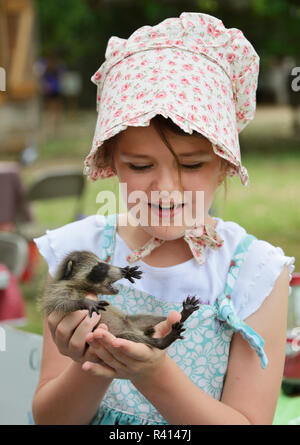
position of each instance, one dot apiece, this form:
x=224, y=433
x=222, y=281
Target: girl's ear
x=110, y=156
x=221, y=177
x=113, y=165
x=223, y=171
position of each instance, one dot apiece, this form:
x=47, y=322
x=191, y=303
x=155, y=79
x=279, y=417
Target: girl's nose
x=166, y=178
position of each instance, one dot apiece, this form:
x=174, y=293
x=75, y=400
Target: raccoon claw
x=191, y=304
x=131, y=272
x=102, y=303
x=178, y=329
x=96, y=306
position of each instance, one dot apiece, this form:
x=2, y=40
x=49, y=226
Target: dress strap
x=225, y=308
x=237, y=261
x=108, y=238
x=226, y=312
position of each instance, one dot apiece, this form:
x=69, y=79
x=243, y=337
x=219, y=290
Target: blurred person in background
x=51, y=71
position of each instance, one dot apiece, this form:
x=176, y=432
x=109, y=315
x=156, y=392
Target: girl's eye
x=191, y=166
x=144, y=167
x=138, y=167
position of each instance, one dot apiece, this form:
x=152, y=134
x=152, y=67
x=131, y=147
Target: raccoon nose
x=98, y=273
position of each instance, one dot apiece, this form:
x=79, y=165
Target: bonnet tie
x=197, y=238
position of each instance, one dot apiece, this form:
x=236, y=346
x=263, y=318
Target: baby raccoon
x=82, y=272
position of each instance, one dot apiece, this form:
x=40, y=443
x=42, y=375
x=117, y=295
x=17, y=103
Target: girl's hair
x=104, y=156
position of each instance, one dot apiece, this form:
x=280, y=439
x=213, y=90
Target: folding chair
x=13, y=260
x=50, y=184
x=13, y=252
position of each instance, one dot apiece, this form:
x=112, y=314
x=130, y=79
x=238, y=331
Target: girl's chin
x=166, y=233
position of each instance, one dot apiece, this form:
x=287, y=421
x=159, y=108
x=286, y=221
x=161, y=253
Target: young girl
x=171, y=99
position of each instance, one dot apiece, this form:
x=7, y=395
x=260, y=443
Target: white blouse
x=261, y=268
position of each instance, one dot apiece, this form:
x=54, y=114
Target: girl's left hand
x=125, y=359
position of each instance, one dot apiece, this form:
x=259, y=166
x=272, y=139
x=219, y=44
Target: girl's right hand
x=69, y=333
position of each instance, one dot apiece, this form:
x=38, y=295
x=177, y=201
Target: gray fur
x=82, y=272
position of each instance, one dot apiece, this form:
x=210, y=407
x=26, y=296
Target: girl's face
x=144, y=163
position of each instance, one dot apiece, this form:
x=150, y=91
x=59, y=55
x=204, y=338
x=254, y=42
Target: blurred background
x=48, y=52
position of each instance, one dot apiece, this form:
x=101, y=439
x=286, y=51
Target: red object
x=291, y=372
x=12, y=306
x=292, y=368
x=33, y=259
x=295, y=281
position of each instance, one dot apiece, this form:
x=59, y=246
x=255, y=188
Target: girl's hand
x=69, y=333
x=125, y=359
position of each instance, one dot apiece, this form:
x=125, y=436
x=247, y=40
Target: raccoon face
x=103, y=275
x=86, y=271
x=77, y=265
x=98, y=273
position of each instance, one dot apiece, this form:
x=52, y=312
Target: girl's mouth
x=166, y=210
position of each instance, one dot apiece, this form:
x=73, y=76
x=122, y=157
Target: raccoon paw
x=177, y=330
x=101, y=304
x=149, y=331
x=190, y=304
x=131, y=272
x=95, y=306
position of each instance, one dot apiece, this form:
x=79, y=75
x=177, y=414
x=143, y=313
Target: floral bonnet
x=190, y=69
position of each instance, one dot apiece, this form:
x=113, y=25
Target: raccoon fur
x=81, y=273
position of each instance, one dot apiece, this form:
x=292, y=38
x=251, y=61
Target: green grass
x=287, y=410
x=269, y=207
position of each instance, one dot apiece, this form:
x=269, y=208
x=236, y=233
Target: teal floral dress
x=202, y=354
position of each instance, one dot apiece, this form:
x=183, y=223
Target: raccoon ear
x=67, y=270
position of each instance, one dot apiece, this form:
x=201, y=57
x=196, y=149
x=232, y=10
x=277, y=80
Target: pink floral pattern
x=197, y=239
x=191, y=69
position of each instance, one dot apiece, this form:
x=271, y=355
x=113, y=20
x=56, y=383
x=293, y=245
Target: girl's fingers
x=85, y=326
x=163, y=328
x=105, y=352
x=53, y=320
x=92, y=296
x=90, y=335
x=77, y=343
x=125, y=350
x=103, y=326
x=99, y=370
x=91, y=356
x=71, y=320
x=66, y=327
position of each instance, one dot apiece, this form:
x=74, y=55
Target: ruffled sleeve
x=79, y=235
x=263, y=265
